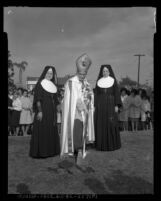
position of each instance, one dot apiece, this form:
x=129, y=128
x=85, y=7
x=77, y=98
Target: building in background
x=31, y=82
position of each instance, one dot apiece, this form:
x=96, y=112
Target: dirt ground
x=128, y=170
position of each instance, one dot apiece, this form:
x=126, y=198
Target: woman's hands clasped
x=116, y=109
x=39, y=116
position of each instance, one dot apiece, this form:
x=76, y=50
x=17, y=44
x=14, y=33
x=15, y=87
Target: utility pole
x=139, y=55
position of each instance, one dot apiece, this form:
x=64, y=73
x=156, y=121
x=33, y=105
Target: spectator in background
x=152, y=108
x=145, y=111
x=20, y=94
x=17, y=107
x=140, y=91
x=134, y=109
x=10, y=97
x=148, y=115
x=124, y=112
x=128, y=92
x=26, y=113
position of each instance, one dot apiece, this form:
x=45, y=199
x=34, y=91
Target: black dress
x=45, y=139
x=106, y=119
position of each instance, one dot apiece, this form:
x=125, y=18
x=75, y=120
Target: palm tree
x=22, y=67
x=10, y=72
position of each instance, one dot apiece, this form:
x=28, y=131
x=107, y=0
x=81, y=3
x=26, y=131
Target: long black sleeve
x=117, y=95
x=39, y=106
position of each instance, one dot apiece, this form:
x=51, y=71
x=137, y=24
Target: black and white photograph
x=80, y=101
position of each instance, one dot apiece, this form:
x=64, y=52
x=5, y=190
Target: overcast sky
x=57, y=36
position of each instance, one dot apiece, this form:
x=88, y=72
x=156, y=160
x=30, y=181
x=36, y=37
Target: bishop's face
x=81, y=76
x=49, y=75
x=105, y=72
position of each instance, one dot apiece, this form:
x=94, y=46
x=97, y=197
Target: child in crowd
x=145, y=111
x=10, y=97
x=16, y=107
x=152, y=109
x=134, y=109
x=124, y=112
x=26, y=113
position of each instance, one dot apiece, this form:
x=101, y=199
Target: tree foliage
x=10, y=71
x=127, y=82
x=21, y=66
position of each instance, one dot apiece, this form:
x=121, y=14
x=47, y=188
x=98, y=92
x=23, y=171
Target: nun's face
x=105, y=72
x=49, y=75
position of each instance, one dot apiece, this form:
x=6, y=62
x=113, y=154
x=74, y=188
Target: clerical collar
x=105, y=82
x=48, y=86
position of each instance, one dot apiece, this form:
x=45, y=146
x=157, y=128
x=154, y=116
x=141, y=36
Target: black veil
x=37, y=89
x=110, y=71
x=115, y=86
x=42, y=76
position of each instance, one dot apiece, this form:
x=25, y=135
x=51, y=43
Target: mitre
x=83, y=63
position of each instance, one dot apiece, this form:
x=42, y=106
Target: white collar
x=105, y=82
x=48, y=86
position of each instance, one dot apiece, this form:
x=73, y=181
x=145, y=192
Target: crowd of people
x=64, y=121
x=137, y=110
x=135, y=114
x=20, y=112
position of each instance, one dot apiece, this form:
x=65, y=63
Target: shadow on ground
x=125, y=184
x=22, y=188
x=119, y=183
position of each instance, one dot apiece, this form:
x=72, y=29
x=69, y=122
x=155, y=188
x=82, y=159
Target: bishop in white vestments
x=77, y=111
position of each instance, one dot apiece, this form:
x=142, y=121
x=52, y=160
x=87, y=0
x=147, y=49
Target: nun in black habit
x=45, y=139
x=107, y=103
